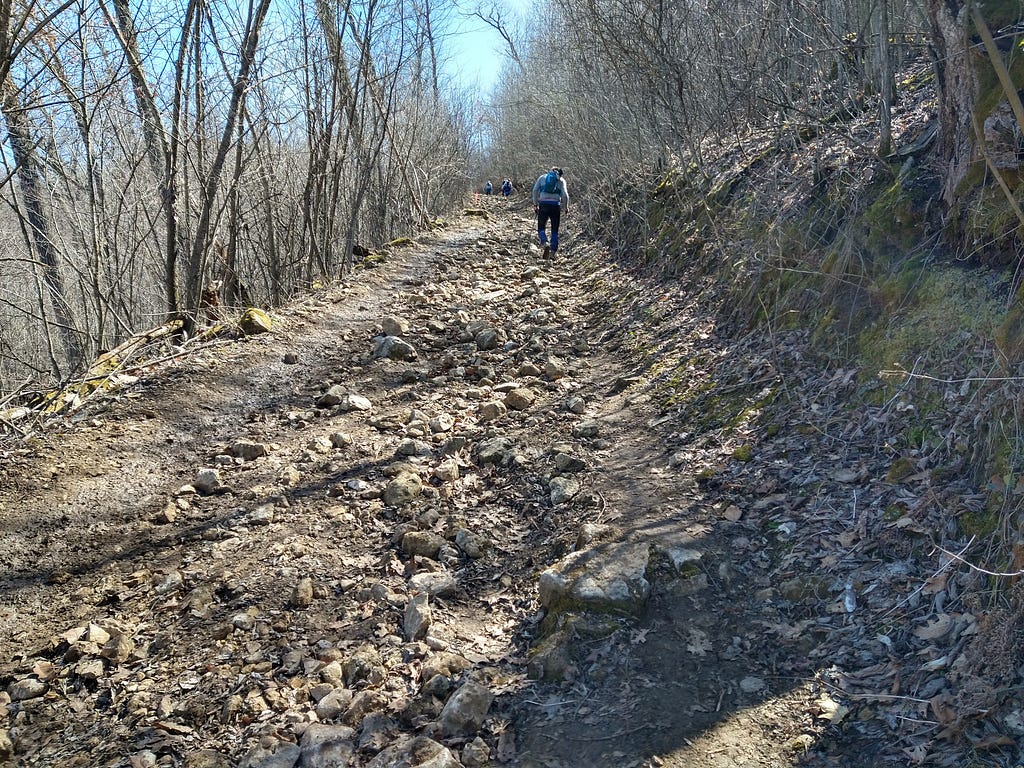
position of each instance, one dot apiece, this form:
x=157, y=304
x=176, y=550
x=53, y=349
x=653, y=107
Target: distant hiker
x=487, y=187
x=506, y=187
x=550, y=198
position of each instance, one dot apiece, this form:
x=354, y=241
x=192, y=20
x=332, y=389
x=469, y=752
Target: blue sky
x=476, y=49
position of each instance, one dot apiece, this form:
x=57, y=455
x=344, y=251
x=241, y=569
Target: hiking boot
x=547, y=251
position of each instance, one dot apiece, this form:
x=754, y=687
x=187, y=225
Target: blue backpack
x=551, y=183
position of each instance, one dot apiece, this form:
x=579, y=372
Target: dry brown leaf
x=935, y=584
x=993, y=741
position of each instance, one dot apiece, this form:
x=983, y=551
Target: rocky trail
x=451, y=513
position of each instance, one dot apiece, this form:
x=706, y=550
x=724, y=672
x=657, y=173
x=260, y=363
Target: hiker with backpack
x=550, y=198
x=487, y=187
x=506, y=187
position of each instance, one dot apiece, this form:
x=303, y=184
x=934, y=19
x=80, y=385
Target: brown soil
x=729, y=664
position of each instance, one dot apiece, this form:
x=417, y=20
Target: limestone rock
x=392, y=325
x=26, y=688
x=434, y=584
x=394, y=348
x=476, y=754
x=607, y=578
x=402, y=489
x=417, y=619
x=207, y=480
x=247, y=450
x=326, y=746
x=205, y=758
x=496, y=450
x=465, y=711
x=520, y=399
x=562, y=489
x=334, y=704
x=282, y=754
x=492, y=410
x=472, y=544
x=302, y=596
x=422, y=543
x=254, y=321
x=418, y=752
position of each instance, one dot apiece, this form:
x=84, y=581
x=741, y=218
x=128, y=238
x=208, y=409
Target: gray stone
x=529, y=369
x=422, y=543
x=394, y=348
x=262, y=515
x=553, y=369
x=440, y=583
x=496, y=450
x=333, y=673
x=442, y=423
x=204, y=758
x=612, y=577
x=326, y=746
x=283, y=754
x=340, y=439
x=375, y=733
x=476, y=754
x=249, y=451
x=576, y=405
x=207, y=480
x=444, y=663
x=362, y=704
x=334, y=704
x=465, y=711
x=562, y=489
x=417, y=619
x=492, y=410
x=364, y=664
x=417, y=752
x=331, y=397
x=565, y=462
x=414, y=448
x=353, y=402
x=587, y=428
x=393, y=325
x=302, y=595
x=26, y=688
x=520, y=399
x=487, y=339
x=438, y=685
x=402, y=489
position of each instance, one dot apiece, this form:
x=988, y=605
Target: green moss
x=982, y=523
x=900, y=469
x=744, y=452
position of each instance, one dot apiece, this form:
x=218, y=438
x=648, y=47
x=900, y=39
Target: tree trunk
x=31, y=184
x=958, y=90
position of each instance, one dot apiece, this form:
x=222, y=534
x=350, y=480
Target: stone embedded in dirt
x=402, y=489
x=587, y=428
x=326, y=746
x=520, y=399
x=207, y=480
x=447, y=471
x=333, y=673
x=247, y=450
x=415, y=752
x=254, y=321
x=604, y=578
x=392, y=325
x=562, y=489
x=492, y=410
x=565, y=462
x=280, y=754
x=488, y=339
x=262, y=515
x=118, y=649
x=465, y=711
x=394, y=348
x=410, y=447
x=438, y=583
x=364, y=665
x=453, y=445
x=476, y=754
x=340, y=439
x=418, y=617
x=442, y=423
x=472, y=544
x=496, y=450
x=422, y=543
x=438, y=685
x=302, y=596
x=589, y=533
x=376, y=732
x=94, y=633
x=576, y=404
x=551, y=658
x=363, y=703
x=681, y=557
x=90, y=670
x=444, y=663
x=528, y=369
x=167, y=515
x=205, y=758
x=554, y=369
x=26, y=688
x=334, y=704
x=290, y=358
x=339, y=396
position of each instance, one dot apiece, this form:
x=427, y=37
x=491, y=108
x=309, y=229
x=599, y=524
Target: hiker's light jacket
x=561, y=197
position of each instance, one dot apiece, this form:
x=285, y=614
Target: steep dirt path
x=480, y=540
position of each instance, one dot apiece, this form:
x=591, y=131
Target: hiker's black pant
x=552, y=211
